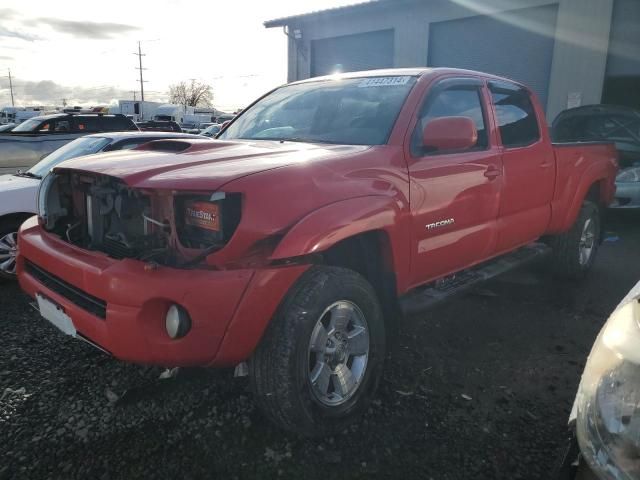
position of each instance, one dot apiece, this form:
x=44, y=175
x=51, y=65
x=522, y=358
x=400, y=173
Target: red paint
x=299, y=199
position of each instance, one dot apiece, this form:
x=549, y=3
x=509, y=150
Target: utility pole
x=140, y=55
x=11, y=88
x=134, y=95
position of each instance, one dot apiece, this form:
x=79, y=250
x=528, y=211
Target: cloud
x=48, y=92
x=7, y=13
x=5, y=32
x=86, y=29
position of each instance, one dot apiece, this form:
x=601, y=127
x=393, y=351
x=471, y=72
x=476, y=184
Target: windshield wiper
x=20, y=173
x=296, y=139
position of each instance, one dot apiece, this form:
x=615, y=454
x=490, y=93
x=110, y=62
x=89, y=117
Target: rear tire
x=575, y=251
x=320, y=361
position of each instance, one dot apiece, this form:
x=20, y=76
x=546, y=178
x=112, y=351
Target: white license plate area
x=55, y=314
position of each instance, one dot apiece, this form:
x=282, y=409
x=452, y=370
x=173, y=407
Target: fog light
x=177, y=321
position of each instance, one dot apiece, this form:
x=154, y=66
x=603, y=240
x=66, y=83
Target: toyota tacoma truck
x=291, y=244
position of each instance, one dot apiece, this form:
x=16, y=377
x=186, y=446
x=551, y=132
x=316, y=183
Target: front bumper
x=229, y=309
x=627, y=195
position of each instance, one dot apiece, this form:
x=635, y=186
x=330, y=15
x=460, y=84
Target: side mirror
x=450, y=133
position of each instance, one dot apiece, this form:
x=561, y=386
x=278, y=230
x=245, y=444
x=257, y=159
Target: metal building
x=571, y=52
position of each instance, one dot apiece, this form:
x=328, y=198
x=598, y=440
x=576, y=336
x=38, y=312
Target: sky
x=84, y=51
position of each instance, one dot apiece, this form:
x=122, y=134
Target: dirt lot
x=479, y=388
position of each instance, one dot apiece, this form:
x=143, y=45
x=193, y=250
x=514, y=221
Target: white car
x=605, y=419
x=18, y=191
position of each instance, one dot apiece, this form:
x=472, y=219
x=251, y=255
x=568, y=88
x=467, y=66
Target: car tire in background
x=575, y=251
x=8, y=246
x=320, y=361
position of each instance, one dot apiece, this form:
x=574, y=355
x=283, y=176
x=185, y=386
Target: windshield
x=356, y=111
x=77, y=148
x=28, y=125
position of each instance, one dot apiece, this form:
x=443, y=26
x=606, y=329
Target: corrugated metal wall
x=624, y=43
x=517, y=44
x=364, y=51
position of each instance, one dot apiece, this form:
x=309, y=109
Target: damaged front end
x=101, y=213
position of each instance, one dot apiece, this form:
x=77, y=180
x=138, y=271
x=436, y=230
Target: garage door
x=622, y=80
x=624, y=43
x=517, y=44
x=350, y=53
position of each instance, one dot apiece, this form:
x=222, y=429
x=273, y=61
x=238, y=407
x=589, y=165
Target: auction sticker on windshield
x=202, y=214
x=383, y=81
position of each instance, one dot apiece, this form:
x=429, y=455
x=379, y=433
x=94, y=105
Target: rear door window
x=88, y=124
x=117, y=124
x=515, y=114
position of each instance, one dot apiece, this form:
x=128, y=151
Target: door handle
x=492, y=172
x=545, y=164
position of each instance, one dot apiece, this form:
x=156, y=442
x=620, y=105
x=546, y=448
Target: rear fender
x=596, y=174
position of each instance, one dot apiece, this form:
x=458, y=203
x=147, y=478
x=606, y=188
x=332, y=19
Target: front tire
x=321, y=359
x=8, y=248
x=575, y=251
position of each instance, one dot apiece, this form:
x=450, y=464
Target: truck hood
x=201, y=164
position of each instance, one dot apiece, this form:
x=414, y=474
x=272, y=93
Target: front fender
x=325, y=227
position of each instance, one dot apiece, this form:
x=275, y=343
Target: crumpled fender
x=323, y=228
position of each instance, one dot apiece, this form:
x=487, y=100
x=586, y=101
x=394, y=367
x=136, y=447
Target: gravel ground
x=479, y=388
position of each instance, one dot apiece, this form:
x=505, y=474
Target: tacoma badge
x=440, y=223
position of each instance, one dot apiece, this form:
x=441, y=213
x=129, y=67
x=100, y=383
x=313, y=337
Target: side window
x=62, y=126
x=454, y=102
x=45, y=127
x=117, y=124
x=516, y=117
x=88, y=124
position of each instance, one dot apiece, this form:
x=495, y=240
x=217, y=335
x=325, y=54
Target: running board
x=425, y=297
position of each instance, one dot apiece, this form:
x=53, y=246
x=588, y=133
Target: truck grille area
x=78, y=297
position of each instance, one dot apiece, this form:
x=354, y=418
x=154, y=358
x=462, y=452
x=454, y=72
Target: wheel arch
x=15, y=216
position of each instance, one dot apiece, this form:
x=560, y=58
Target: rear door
x=454, y=194
x=528, y=163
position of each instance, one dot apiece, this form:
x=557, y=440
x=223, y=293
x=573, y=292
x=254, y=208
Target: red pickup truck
x=322, y=212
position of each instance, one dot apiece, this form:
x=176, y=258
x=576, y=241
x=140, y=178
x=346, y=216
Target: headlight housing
x=608, y=400
x=629, y=175
x=204, y=221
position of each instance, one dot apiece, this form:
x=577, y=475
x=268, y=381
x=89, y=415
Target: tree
x=192, y=93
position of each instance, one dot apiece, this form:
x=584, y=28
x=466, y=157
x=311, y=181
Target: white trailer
x=136, y=110
x=172, y=113
x=197, y=118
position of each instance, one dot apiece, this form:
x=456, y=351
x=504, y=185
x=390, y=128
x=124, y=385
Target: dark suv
x=76, y=123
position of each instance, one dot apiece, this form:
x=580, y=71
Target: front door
x=455, y=195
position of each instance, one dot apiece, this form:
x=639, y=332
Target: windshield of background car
x=77, y=148
x=212, y=130
x=354, y=111
x=28, y=125
x=612, y=127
